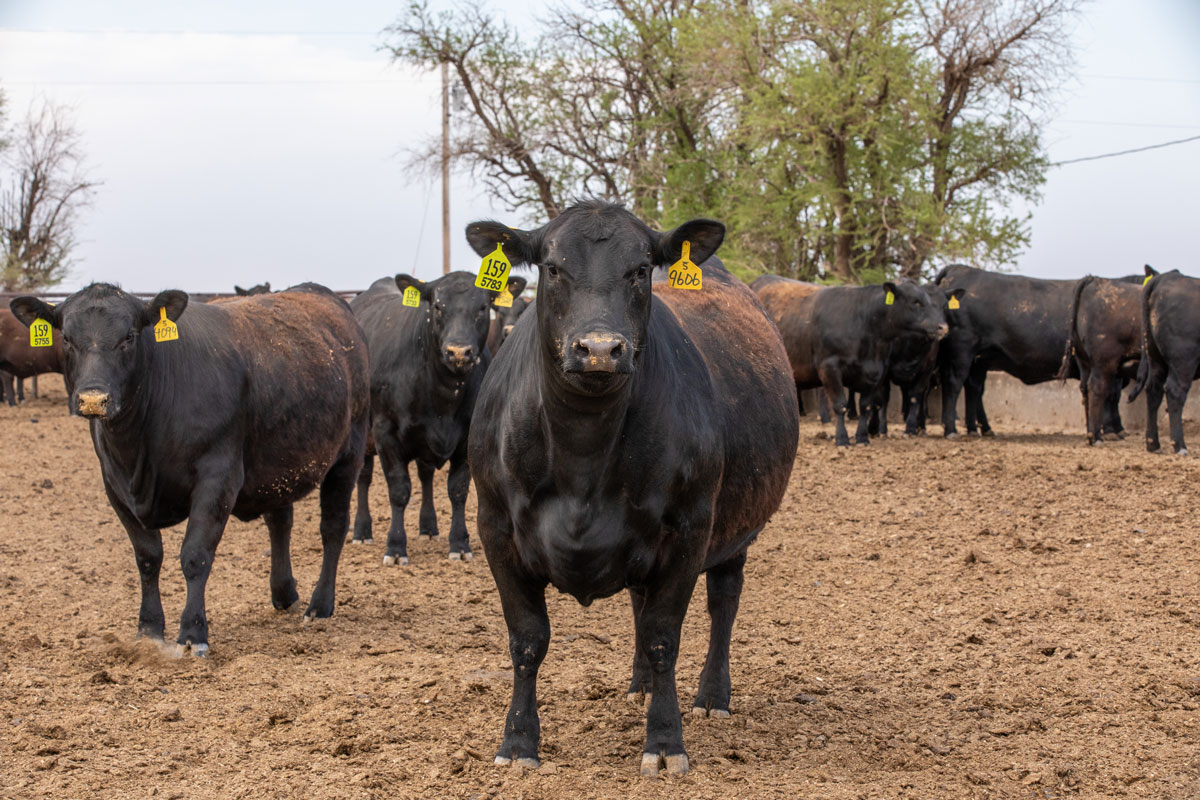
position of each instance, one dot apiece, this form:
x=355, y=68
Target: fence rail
x=202, y=297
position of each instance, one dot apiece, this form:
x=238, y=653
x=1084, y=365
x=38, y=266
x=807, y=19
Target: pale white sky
x=243, y=142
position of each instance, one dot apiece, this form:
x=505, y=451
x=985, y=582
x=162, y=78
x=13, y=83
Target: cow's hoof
x=362, y=541
x=988, y=434
x=199, y=650
x=639, y=699
x=1181, y=451
x=953, y=435
x=391, y=561
x=427, y=536
x=653, y=762
x=1109, y=436
x=525, y=763
x=461, y=556
x=715, y=713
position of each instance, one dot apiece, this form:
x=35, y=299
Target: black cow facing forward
x=256, y=403
x=426, y=366
x=1171, y=351
x=636, y=438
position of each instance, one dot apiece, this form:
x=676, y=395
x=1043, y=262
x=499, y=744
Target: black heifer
x=637, y=436
x=842, y=338
x=426, y=366
x=1170, y=351
x=503, y=320
x=256, y=403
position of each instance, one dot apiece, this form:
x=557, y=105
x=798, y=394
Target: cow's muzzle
x=460, y=358
x=599, y=352
x=940, y=332
x=93, y=404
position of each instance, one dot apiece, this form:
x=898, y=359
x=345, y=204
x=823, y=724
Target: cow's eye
x=551, y=271
x=128, y=340
x=642, y=271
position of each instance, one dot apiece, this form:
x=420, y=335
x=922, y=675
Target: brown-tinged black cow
x=426, y=366
x=778, y=296
x=636, y=436
x=19, y=360
x=1170, y=351
x=256, y=403
x=840, y=338
x=1105, y=343
x=504, y=318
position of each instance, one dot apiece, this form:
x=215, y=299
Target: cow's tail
x=1064, y=371
x=1143, y=373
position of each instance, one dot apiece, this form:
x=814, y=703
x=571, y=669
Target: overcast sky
x=242, y=142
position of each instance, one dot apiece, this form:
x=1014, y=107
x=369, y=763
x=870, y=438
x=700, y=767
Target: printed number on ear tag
x=412, y=297
x=953, y=303
x=684, y=274
x=889, y=299
x=504, y=300
x=164, y=329
x=1148, y=279
x=493, y=272
x=41, y=334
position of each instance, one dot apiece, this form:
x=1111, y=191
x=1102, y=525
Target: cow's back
x=789, y=305
x=1108, y=318
x=1173, y=314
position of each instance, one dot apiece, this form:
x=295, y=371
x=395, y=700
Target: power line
x=1127, y=124
x=1125, y=152
x=125, y=32
x=1140, y=78
x=230, y=82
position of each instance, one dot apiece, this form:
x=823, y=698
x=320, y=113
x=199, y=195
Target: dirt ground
x=1014, y=617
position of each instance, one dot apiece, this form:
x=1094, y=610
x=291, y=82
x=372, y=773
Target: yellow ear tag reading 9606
x=684, y=274
x=493, y=272
x=412, y=297
x=41, y=334
x=889, y=299
x=164, y=329
x=504, y=300
x=953, y=303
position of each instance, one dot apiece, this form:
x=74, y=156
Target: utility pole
x=445, y=168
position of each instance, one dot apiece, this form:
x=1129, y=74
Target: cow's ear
x=27, y=309
x=404, y=280
x=1150, y=271
x=239, y=291
x=890, y=292
x=704, y=236
x=173, y=300
x=521, y=247
x=516, y=285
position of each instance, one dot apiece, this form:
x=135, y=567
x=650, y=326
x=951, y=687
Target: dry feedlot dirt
x=1014, y=617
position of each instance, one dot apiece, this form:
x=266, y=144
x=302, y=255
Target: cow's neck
x=124, y=439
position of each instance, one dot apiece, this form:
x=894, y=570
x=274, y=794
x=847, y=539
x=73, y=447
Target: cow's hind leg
x=362, y=514
x=831, y=380
x=1113, y=427
x=1154, y=397
x=283, y=585
x=639, y=684
x=1179, y=382
x=458, y=486
x=8, y=387
x=427, y=522
x=724, y=592
x=335, y=518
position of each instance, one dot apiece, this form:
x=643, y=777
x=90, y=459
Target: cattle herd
x=621, y=435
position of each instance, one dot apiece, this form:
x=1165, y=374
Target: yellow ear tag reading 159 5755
x=504, y=300
x=684, y=274
x=412, y=297
x=493, y=272
x=41, y=334
x=889, y=299
x=953, y=303
x=164, y=329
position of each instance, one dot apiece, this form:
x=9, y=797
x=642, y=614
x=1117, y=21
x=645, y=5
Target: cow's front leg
x=458, y=485
x=524, y=603
x=427, y=521
x=148, y=552
x=212, y=501
x=399, y=491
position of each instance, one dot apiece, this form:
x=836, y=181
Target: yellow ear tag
x=412, y=296
x=1148, y=279
x=41, y=334
x=683, y=274
x=164, y=329
x=889, y=299
x=953, y=303
x=493, y=272
x=504, y=300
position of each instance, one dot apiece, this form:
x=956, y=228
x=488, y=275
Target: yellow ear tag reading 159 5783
x=164, y=329
x=953, y=303
x=504, y=300
x=493, y=272
x=889, y=299
x=412, y=297
x=41, y=334
x=684, y=274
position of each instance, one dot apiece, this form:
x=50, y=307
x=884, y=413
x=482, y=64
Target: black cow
x=426, y=366
x=1170, y=351
x=503, y=320
x=842, y=337
x=637, y=436
x=256, y=403
x=18, y=360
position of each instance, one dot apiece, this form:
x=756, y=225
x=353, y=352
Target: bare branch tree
x=44, y=187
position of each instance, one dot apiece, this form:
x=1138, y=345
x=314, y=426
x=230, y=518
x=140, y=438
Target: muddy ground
x=1015, y=617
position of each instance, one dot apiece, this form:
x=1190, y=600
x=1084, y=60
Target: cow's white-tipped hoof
x=639, y=699
x=362, y=541
x=719, y=713
x=502, y=761
x=523, y=763
x=429, y=537
x=715, y=713
x=650, y=763
x=391, y=561
x=677, y=765
x=182, y=650
x=468, y=556
x=456, y=556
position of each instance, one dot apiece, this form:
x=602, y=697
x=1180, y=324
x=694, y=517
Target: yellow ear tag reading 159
x=953, y=303
x=889, y=299
x=683, y=274
x=493, y=272
x=412, y=297
x=41, y=334
x=504, y=300
x=164, y=329
x=1148, y=279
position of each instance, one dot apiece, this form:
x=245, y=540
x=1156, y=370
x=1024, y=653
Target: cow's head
x=914, y=309
x=594, y=263
x=104, y=333
x=458, y=316
x=506, y=318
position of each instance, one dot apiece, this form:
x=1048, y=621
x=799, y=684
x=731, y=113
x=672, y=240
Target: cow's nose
x=942, y=330
x=460, y=354
x=93, y=404
x=507, y=330
x=600, y=352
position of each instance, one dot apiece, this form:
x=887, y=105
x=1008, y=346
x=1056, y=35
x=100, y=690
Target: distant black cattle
x=426, y=366
x=636, y=436
x=840, y=338
x=1170, y=351
x=19, y=360
x=256, y=403
x=504, y=318
x=262, y=288
x=1105, y=343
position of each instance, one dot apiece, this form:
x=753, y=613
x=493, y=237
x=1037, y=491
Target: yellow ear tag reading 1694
x=889, y=299
x=164, y=329
x=412, y=297
x=41, y=334
x=684, y=274
x=953, y=303
x=493, y=272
